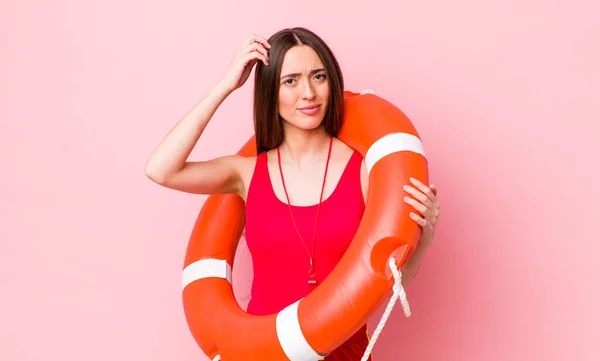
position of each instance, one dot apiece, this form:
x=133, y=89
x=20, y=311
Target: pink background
x=505, y=96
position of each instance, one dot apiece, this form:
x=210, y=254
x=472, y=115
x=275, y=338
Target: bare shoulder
x=341, y=152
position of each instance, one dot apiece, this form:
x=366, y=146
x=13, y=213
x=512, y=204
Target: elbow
x=155, y=175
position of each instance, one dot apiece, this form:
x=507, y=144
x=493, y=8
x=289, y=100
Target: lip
x=311, y=109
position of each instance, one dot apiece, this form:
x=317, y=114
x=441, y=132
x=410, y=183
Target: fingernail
x=406, y=187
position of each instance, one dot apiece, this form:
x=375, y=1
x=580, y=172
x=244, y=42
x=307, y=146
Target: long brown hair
x=267, y=124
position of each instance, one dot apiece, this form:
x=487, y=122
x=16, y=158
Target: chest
x=304, y=186
x=272, y=233
x=276, y=231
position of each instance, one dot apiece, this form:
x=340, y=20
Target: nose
x=307, y=90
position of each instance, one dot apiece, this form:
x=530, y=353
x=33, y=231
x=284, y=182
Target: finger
x=259, y=48
x=261, y=56
x=436, y=202
x=416, y=205
x=423, y=188
x=433, y=189
x=420, y=220
x=256, y=56
x=259, y=39
x=418, y=195
x=263, y=41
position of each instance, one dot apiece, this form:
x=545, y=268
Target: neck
x=303, y=147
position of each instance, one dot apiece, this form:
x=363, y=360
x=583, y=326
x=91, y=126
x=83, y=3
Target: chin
x=308, y=122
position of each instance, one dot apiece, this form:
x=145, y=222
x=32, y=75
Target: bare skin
x=303, y=151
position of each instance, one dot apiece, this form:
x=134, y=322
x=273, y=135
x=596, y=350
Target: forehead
x=300, y=58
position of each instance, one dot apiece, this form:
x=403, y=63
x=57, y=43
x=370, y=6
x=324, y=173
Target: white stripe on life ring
x=392, y=143
x=291, y=338
x=206, y=268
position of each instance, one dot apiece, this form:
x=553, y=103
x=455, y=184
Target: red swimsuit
x=280, y=261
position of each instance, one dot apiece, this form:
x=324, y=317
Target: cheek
x=287, y=101
x=324, y=91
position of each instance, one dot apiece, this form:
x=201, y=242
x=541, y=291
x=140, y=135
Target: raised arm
x=168, y=164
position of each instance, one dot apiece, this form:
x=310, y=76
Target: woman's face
x=303, y=88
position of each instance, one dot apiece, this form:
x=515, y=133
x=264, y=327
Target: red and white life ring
x=317, y=324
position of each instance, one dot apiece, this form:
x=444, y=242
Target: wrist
x=417, y=255
x=222, y=88
x=413, y=264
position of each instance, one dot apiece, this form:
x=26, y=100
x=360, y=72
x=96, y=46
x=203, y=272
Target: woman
x=305, y=192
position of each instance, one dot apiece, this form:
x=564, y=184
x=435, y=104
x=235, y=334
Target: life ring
x=314, y=326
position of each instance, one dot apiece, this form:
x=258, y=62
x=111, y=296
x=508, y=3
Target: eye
x=321, y=76
x=289, y=81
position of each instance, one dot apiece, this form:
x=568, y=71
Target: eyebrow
x=298, y=74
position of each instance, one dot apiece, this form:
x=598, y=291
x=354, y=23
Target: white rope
x=398, y=293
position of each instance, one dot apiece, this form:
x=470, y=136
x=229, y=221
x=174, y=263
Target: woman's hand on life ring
x=253, y=50
x=424, y=200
